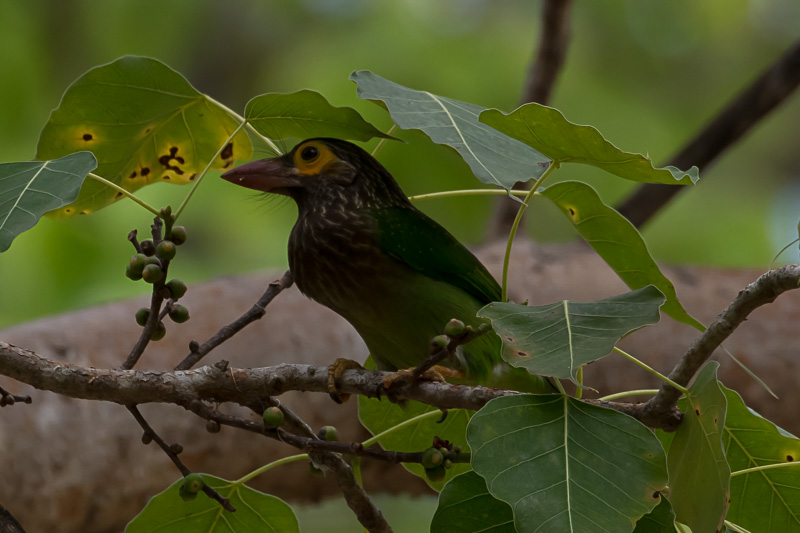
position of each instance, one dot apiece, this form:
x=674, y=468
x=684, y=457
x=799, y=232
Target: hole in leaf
x=656, y=495
x=118, y=195
x=790, y=458
x=697, y=412
x=227, y=152
x=228, y=164
x=192, y=177
x=84, y=212
x=69, y=210
x=145, y=171
x=87, y=137
x=132, y=176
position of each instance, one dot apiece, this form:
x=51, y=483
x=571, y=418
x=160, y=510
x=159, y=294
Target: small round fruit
x=273, y=417
x=159, y=333
x=142, y=315
x=186, y=495
x=152, y=260
x=431, y=458
x=436, y=474
x=454, y=328
x=329, y=433
x=130, y=274
x=178, y=235
x=179, y=314
x=137, y=263
x=177, y=288
x=176, y=448
x=212, y=426
x=147, y=246
x=165, y=250
x=193, y=483
x=152, y=273
x=440, y=341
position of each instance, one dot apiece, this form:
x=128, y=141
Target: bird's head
x=321, y=169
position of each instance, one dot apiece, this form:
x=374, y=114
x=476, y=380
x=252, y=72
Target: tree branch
x=226, y=332
x=219, y=383
x=762, y=291
x=752, y=105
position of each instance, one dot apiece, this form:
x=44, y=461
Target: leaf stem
x=764, y=467
x=515, y=226
x=624, y=394
x=260, y=470
x=468, y=192
x=401, y=425
x=249, y=126
x=382, y=142
x=653, y=371
x=129, y=194
x=205, y=171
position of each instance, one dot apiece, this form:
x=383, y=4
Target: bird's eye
x=309, y=154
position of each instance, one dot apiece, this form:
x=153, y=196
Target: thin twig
x=156, y=300
x=731, y=124
x=170, y=451
x=226, y=332
x=6, y=398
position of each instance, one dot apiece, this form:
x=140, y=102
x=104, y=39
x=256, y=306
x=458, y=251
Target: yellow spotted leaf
x=144, y=123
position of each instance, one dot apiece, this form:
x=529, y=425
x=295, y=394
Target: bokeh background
x=647, y=73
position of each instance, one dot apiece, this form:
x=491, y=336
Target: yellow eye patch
x=311, y=157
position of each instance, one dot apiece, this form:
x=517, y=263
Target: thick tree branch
x=220, y=383
x=762, y=291
x=752, y=105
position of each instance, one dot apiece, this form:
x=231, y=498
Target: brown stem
x=173, y=455
x=197, y=352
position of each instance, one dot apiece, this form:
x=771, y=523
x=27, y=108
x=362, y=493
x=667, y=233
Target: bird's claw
x=335, y=371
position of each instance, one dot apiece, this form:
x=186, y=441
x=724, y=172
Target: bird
x=362, y=249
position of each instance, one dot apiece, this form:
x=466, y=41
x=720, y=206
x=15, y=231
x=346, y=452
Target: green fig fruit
x=178, y=235
x=437, y=473
x=142, y=315
x=152, y=273
x=177, y=288
x=165, y=250
x=159, y=333
x=273, y=417
x=179, y=314
x=454, y=328
x=431, y=458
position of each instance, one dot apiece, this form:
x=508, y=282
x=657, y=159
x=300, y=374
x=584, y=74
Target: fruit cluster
x=436, y=459
x=150, y=264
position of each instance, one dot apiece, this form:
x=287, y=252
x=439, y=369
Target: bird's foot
x=335, y=371
x=406, y=376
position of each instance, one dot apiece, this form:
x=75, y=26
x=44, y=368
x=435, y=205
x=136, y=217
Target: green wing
x=412, y=237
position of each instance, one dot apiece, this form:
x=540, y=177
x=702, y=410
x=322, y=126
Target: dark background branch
x=539, y=83
x=734, y=121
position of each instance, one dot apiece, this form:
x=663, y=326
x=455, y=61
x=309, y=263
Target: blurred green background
x=646, y=73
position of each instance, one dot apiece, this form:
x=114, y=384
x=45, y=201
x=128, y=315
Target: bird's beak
x=268, y=175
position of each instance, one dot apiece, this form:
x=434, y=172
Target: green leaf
x=556, y=339
x=166, y=512
x=494, y=158
x=615, y=239
x=546, y=130
x=378, y=416
x=699, y=475
x=307, y=114
x=749, y=441
x=659, y=520
x=145, y=123
x=564, y=465
x=28, y=190
x=465, y=506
